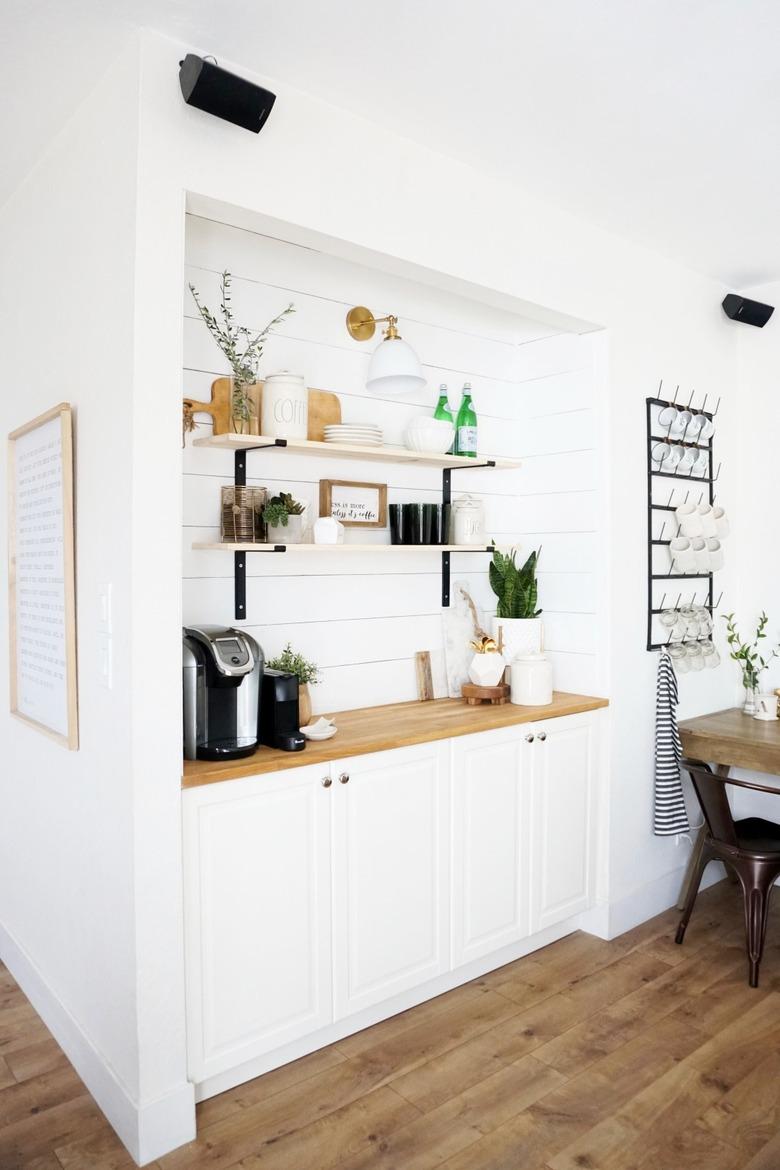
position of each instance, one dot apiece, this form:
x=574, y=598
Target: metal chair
x=750, y=846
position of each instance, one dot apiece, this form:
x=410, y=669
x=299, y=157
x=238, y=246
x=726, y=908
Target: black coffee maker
x=279, y=718
x=221, y=674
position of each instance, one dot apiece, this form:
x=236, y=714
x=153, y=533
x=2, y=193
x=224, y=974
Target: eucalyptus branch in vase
x=747, y=655
x=243, y=347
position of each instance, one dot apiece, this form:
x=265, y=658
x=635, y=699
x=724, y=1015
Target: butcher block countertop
x=377, y=729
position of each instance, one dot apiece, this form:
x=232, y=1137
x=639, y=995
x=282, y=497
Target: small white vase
x=486, y=670
x=289, y=533
x=518, y=636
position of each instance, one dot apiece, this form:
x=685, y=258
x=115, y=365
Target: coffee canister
x=285, y=411
x=468, y=521
x=531, y=681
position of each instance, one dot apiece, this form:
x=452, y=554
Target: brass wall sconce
x=394, y=369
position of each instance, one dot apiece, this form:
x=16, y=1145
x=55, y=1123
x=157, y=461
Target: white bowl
x=432, y=436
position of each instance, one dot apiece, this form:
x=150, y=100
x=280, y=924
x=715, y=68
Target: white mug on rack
x=689, y=520
x=706, y=515
x=714, y=554
x=701, y=554
x=721, y=522
x=682, y=554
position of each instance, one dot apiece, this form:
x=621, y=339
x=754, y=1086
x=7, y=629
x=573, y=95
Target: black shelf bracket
x=446, y=499
x=239, y=558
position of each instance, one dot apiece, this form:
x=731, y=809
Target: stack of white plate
x=356, y=434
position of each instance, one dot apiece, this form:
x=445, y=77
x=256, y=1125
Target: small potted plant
x=283, y=516
x=517, y=627
x=243, y=348
x=750, y=661
x=487, y=665
x=306, y=673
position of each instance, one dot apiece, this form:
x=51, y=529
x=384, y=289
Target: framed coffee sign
x=356, y=505
x=41, y=576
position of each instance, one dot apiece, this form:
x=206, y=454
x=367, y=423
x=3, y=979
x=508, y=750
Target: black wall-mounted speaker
x=749, y=312
x=212, y=89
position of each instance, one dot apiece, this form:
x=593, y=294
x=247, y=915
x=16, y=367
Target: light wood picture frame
x=356, y=505
x=42, y=576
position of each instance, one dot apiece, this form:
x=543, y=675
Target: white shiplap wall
x=363, y=618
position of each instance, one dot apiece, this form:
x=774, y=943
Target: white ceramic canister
x=531, y=679
x=285, y=410
x=468, y=521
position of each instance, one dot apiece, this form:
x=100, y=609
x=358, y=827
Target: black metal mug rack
x=695, y=487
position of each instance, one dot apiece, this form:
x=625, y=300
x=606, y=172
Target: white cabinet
x=307, y=903
x=562, y=817
x=491, y=804
x=257, y=916
x=390, y=873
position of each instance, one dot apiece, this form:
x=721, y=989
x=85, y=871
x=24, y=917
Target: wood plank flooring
x=630, y=1055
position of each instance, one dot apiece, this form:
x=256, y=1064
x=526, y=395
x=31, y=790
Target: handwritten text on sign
x=42, y=690
x=356, y=505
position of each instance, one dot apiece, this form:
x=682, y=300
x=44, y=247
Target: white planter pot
x=289, y=533
x=519, y=636
x=486, y=670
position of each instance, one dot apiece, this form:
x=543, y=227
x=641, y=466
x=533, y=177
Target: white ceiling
x=657, y=119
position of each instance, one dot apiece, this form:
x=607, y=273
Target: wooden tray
x=475, y=695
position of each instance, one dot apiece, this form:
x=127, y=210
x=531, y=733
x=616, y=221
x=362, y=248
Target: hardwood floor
x=630, y=1055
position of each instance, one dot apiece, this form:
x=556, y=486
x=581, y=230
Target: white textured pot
x=486, y=670
x=518, y=636
x=289, y=533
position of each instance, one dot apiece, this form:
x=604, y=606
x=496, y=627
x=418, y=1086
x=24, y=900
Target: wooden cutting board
x=324, y=409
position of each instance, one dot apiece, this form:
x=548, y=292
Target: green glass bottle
x=443, y=411
x=466, y=426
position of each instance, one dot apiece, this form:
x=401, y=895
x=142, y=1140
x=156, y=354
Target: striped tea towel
x=669, y=814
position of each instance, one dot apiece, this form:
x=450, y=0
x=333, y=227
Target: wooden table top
x=376, y=729
x=729, y=737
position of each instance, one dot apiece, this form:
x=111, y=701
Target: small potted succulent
x=516, y=627
x=243, y=348
x=283, y=516
x=487, y=665
x=306, y=673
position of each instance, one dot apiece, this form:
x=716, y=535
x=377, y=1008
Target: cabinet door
x=490, y=811
x=562, y=820
x=391, y=882
x=258, y=915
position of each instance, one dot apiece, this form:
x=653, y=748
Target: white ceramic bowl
x=432, y=436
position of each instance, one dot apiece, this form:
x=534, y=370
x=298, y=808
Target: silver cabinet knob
x=542, y=736
x=529, y=739
x=344, y=778
x=326, y=781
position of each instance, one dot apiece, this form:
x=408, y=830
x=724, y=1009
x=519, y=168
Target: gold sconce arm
x=361, y=324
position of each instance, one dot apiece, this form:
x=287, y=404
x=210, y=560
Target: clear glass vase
x=749, y=707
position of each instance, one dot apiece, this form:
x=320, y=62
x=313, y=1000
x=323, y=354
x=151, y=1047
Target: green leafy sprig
x=292, y=663
x=516, y=588
x=746, y=654
x=242, y=347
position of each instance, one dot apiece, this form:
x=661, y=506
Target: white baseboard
x=615, y=918
x=147, y=1130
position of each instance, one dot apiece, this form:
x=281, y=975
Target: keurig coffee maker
x=279, y=718
x=222, y=671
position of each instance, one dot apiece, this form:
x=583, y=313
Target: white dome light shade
x=394, y=369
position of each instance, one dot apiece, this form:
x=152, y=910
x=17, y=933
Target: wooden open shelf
x=339, y=548
x=232, y=442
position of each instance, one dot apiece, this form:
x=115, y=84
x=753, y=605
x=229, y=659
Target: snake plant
x=516, y=588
